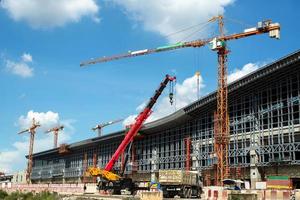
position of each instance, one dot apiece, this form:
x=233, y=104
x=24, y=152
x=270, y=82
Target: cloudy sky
x=43, y=42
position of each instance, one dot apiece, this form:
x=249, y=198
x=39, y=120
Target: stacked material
x=279, y=182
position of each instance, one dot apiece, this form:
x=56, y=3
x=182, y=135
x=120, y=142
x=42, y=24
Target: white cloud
x=22, y=96
x=49, y=13
x=129, y=120
x=20, y=68
x=239, y=73
x=14, y=159
x=26, y=57
x=169, y=16
x=185, y=93
x=46, y=119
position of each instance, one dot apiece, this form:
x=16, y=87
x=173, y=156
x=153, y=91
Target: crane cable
x=202, y=26
x=194, y=32
x=175, y=92
x=171, y=92
x=237, y=22
x=185, y=29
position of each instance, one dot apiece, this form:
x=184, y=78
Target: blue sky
x=57, y=37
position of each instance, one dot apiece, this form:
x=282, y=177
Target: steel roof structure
x=188, y=112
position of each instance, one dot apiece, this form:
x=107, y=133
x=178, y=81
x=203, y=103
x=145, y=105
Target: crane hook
x=171, y=95
x=171, y=92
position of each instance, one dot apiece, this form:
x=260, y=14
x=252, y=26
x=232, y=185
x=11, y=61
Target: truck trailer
x=185, y=184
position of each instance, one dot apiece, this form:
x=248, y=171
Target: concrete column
x=254, y=173
x=155, y=168
x=153, y=161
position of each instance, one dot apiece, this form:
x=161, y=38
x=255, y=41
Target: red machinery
x=111, y=181
x=140, y=119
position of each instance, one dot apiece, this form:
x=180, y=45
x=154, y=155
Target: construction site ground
x=76, y=192
x=110, y=197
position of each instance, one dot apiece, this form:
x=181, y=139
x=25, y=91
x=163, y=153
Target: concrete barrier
x=215, y=193
x=91, y=188
x=297, y=194
x=279, y=194
x=70, y=188
x=219, y=193
x=210, y=193
x=151, y=196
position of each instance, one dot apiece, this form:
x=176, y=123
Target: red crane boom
x=140, y=119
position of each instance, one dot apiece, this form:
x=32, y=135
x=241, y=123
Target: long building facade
x=264, y=135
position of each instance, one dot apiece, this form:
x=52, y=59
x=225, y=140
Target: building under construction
x=264, y=135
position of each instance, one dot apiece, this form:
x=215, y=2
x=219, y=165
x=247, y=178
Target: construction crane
x=263, y=27
x=217, y=44
x=32, y=132
x=114, y=180
x=55, y=131
x=99, y=127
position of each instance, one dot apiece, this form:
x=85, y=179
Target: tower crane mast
x=218, y=44
x=32, y=132
x=55, y=131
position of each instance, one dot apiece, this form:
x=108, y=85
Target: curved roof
x=186, y=113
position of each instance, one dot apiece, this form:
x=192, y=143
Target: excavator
x=111, y=181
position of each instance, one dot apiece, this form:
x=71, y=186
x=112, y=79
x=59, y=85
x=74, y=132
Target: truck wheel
x=166, y=194
x=189, y=193
x=134, y=192
x=182, y=193
x=111, y=189
x=185, y=193
x=199, y=192
x=171, y=195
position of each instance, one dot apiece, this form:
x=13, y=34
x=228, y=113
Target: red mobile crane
x=111, y=180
